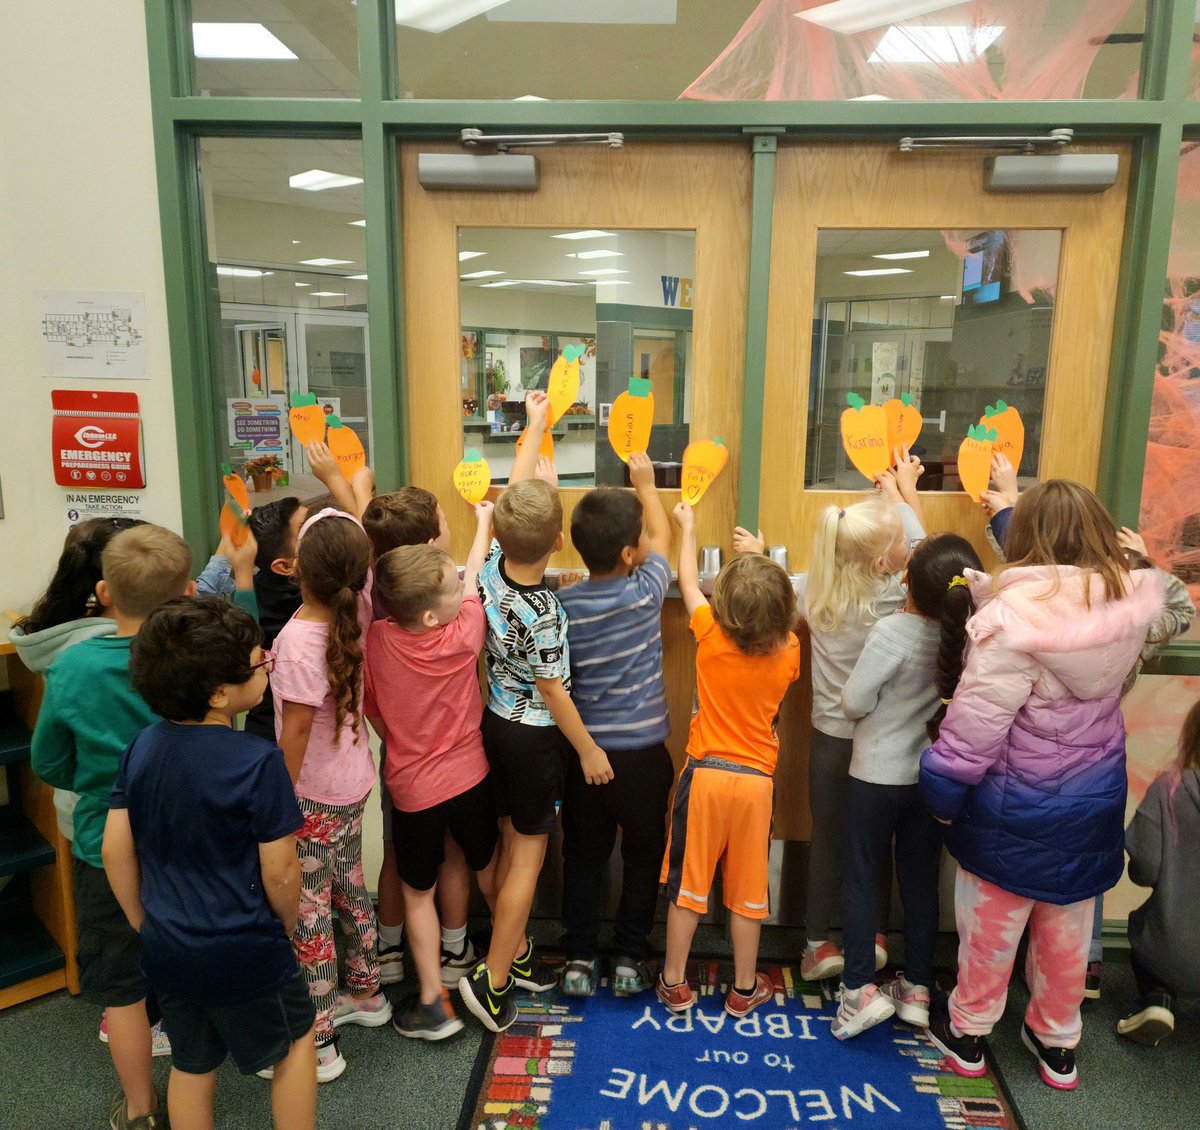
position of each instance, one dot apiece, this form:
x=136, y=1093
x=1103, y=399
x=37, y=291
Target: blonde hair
x=528, y=519
x=409, y=580
x=145, y=566
x=753, y=604
x=843, y=580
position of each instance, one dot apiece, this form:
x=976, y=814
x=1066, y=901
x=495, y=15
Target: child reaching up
x=910, y=661
x=746, y=658
x=422, y=697
x=1163, y=843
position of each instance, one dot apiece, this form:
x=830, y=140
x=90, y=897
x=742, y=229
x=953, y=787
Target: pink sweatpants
x=990, y=923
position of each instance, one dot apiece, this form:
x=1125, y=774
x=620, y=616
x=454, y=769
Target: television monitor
x=985, y=268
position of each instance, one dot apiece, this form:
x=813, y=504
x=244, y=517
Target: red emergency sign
x=97, y=440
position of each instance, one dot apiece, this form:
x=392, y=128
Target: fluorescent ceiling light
x=549, y=282
x=586, y=12
x=948, y=297
x=326, y=262
x=438, y=15
x=530, y=98
x=903, y=255
x=605, y=271
x=596, y=253
x=880, y=271
x=318, y=180
x=501, y=282
x=356, y=277
x=243, y=272
x=328, y=294
x=591, y=233
x=481, y=274
x=465, y=255
x=358, y=223
x=304, y=284
x=613, y=282
x=852, y=16
x=237, y=41
x=934, y=44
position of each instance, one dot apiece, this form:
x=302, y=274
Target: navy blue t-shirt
x=201, y=799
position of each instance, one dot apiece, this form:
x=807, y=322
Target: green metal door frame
x=1156, y=123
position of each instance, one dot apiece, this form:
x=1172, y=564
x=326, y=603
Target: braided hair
x=940, y=592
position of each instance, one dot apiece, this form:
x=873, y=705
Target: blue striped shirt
x=614, y=627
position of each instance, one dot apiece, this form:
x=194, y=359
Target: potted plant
x=497, y=379
x=264, y=471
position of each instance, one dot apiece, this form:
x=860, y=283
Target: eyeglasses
x=268, y=664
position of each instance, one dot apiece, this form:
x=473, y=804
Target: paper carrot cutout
x=235, y=513
x=306, y=418
x=547, y=445
x=564, y=383
x=472, y=477
x=345, y=447
x=865, y=436
x=703, y=461
x=903, y=424
x=975, y=459
x=631, y=418
x=1010, y=431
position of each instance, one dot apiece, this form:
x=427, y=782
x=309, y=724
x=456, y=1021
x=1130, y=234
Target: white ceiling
x=259, y=168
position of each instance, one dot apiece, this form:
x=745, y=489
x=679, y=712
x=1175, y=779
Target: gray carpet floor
x=57, y=1074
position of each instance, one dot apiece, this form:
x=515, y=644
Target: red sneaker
x=738, y=1005
x=821, y=964
x=677, y=998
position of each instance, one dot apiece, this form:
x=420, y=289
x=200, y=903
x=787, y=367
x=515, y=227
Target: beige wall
x=78, y=211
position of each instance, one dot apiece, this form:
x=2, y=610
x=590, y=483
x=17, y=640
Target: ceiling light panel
x=237, y=41
x=916, y=44
x=318, y=180
x=596, y=253
x=463, y=256
x=880, y=271
x=849, y=17
x=440, y=15
x=902, y=255
x=326, y=262
x=328, y=294
x=481, y=274
x=586, y=12
x=363, y=277
x=358, y=223
x=604, y=271
x=242, y=272
x=590, y=233
x=501, y=282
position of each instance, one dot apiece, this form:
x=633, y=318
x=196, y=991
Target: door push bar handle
x=939, y=419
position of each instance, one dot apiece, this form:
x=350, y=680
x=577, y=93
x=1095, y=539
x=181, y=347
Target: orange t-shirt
x=739, y=696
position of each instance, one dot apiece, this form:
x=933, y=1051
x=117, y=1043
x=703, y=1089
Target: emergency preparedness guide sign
x=97, y=440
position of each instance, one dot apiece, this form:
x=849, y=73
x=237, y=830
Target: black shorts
x=529, y=767
x=258, y=1033
x=420, y=837
x=110, y=950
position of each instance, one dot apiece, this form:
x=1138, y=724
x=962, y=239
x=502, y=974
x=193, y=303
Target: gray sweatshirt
x=891, y=694
x=1164, y=853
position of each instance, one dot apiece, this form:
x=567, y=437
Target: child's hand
x=685, y=517
x=321, y=462
x=1131, y=539
x=1004, y=475
x=641, y=471
x=993, y=502
x=546, y=471
x=241, y=561
x=596, y=767
x=887, y=485
x=908, y=470
x=537, y=406
x=746, y=542
x=483, y=512
x=566, y=580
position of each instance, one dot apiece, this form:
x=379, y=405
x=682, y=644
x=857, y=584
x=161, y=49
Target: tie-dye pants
x=990, y=924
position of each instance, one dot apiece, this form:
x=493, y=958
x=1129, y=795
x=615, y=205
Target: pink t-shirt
x=339, y=770
x=425, y=687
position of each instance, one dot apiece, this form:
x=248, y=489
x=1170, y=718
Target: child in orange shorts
x=746, y=658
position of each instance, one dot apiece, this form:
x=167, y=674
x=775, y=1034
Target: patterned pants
x=331, y=875
x=990, y=924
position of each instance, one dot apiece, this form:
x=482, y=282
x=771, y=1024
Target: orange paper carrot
x=547, y=445
x=631, y=418
x=1010, y=431
x=472, y=477
x=903, y=424
x=865, y=436
x=564, y=383
x=235, y=513
x=703, y=461
x=975, y=459
x=307, y=418
x=345, y=447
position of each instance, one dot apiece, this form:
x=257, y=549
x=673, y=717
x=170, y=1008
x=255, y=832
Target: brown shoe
x=738, y=1005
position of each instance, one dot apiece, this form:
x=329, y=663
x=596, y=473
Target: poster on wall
x=884, y=355
x=93, y=333
x=258, y=427
x=97, y=440
x=86, y=504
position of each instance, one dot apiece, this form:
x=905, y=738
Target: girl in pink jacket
x=1029, y=770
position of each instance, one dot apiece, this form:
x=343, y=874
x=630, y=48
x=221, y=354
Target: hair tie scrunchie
x=956, y=581
x=947, y=701
x=841, y=514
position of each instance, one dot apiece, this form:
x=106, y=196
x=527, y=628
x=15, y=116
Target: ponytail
x=344, y=657
x=957, y=609
x=843, y=581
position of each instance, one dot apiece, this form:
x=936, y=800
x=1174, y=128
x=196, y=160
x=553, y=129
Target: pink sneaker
x=821, y=964
x=369, y=1012
x=911, y=1001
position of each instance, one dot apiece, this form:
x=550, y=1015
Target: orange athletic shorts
x=721, y=815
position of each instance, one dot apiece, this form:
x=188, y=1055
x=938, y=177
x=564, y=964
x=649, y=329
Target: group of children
x=948, y=706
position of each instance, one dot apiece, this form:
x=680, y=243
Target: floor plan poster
x=93, y=333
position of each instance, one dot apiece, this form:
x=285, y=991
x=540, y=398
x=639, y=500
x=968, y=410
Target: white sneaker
x=368, y=1012
x=860, y=1009
x=391, y=965
x=455, y=966
x=911, y=1001
x=330, y=1063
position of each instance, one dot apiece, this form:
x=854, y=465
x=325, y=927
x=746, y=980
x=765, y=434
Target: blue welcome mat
x=603, y=1063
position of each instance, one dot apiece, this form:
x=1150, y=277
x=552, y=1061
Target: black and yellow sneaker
x=536, y=976
x=494, y=1009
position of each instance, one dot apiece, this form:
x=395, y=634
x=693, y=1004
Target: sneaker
x=631, y=977
x=368, y=1012
x=822, y=963
x=391, y=965
x=330, y=1063
x=493, y=1009
x=911, y=1001
x=456, y=965
x=881, y=951
x=964, y=1054
x=1153, y=1020
x=737, y=1004
x=118, y=1116
x=160, y=1043
x=1056, y=1066
x=580, y=977
x=431, y=1022
x=536, y=977
x=1091, y=984
x=677, y=998
x=860, y=1009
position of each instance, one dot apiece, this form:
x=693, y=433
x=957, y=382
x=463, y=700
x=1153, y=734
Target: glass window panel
x=526, y=294
x=960, y=321
x=290, y=268
x=274, y=48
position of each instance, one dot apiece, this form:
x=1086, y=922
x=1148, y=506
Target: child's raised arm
x=658, y=525
x=746, y=542
x=689, y=574
x=537, y=405
x=325, y=469
x=479, y=547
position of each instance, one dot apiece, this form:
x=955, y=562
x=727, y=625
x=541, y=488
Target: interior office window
x=621, y=299
x=274, y=48
x=959, y=321
x=287, y=245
